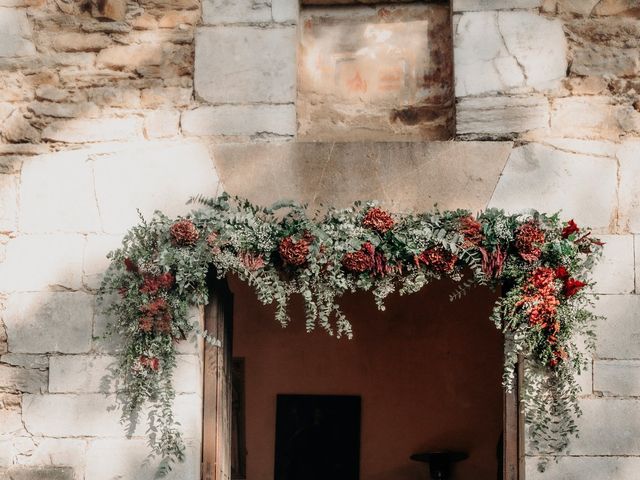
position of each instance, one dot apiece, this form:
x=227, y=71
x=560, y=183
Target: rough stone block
x=540, y=177
x=602, y=60
x=380, y=74
x=21, y=379
x=37, y=262
x=582, y=468
x=608, y=427
x=479, y=5
x=56, y=194
x=81, y=373
x=114, y=10
x=235, y=11
x=614, y=7
x=94, y=130
x=17, y=128
x=8, y=203
x=64, y=110
x=506, y=51
x=90, y=374
x=240, y=120
x=25, y=360
x=227, y=69
x=95, y=261
x=629, y=194
x=285, y=10
x=584, y=147
x=37, y=473
x=114, y=97
x=619, y=333
x=581, y=7
x=166, y=97
x=56, y=451
x=584, y=117
x=49, y=322
x=92, y=415
x=109, y=459
x=11, y=421
x=15, y=33
x=162, y=124
x=154, y=180
x=501, y=115
x=617, y=377
x=315, y=173
x=615, y=273
x=79, y=41
x=130, y=56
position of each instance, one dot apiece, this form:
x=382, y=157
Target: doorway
x=428, y=373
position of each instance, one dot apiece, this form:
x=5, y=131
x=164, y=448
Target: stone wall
x=108, y=107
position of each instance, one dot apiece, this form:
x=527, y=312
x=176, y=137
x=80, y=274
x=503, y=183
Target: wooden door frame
x=216, y=424
x=216, y=408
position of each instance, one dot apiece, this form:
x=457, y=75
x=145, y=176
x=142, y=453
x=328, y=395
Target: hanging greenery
x=541, y=263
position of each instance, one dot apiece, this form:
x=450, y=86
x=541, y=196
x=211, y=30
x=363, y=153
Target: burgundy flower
x=184, y=233
x=130, y=266
x=471, y=229
x=294, y=253
x=153, y=283
x=570, y=228
x=360, y=261
x=572, y=286
x=163, y=323
x=378, y=220
x=437, y=258
x=528, y=238
x=562, y=273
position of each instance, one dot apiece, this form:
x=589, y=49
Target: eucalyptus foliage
x=234, y=236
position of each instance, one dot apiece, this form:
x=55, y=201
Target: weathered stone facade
x=111, y=106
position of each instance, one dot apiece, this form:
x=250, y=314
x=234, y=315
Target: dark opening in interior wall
x=375, y=72
x=317, y=437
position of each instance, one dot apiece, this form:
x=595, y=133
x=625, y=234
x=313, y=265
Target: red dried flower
x=528, y=237
x=150, y=285
x=378, y=220
x=252, y=261
x=184, y=233
x=130, y=266
x=570, y=228
x=539, y=296
x=437, y=258
x=472, y=231
x=150, y=362
x=166, y=280
x=562, y=273
x=294, y=253
x=123, y=291
x=360, y=261
x=145, y=324
x=493, y=262
x=572, y=286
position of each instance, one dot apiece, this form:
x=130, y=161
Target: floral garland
x=541, y=263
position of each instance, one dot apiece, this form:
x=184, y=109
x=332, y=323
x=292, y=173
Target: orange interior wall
x=428, y=371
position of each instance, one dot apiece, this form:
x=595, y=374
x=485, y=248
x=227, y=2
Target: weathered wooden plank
x=216, y=441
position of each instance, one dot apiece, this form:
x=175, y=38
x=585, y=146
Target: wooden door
x=513, y=431
x=216, y=434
